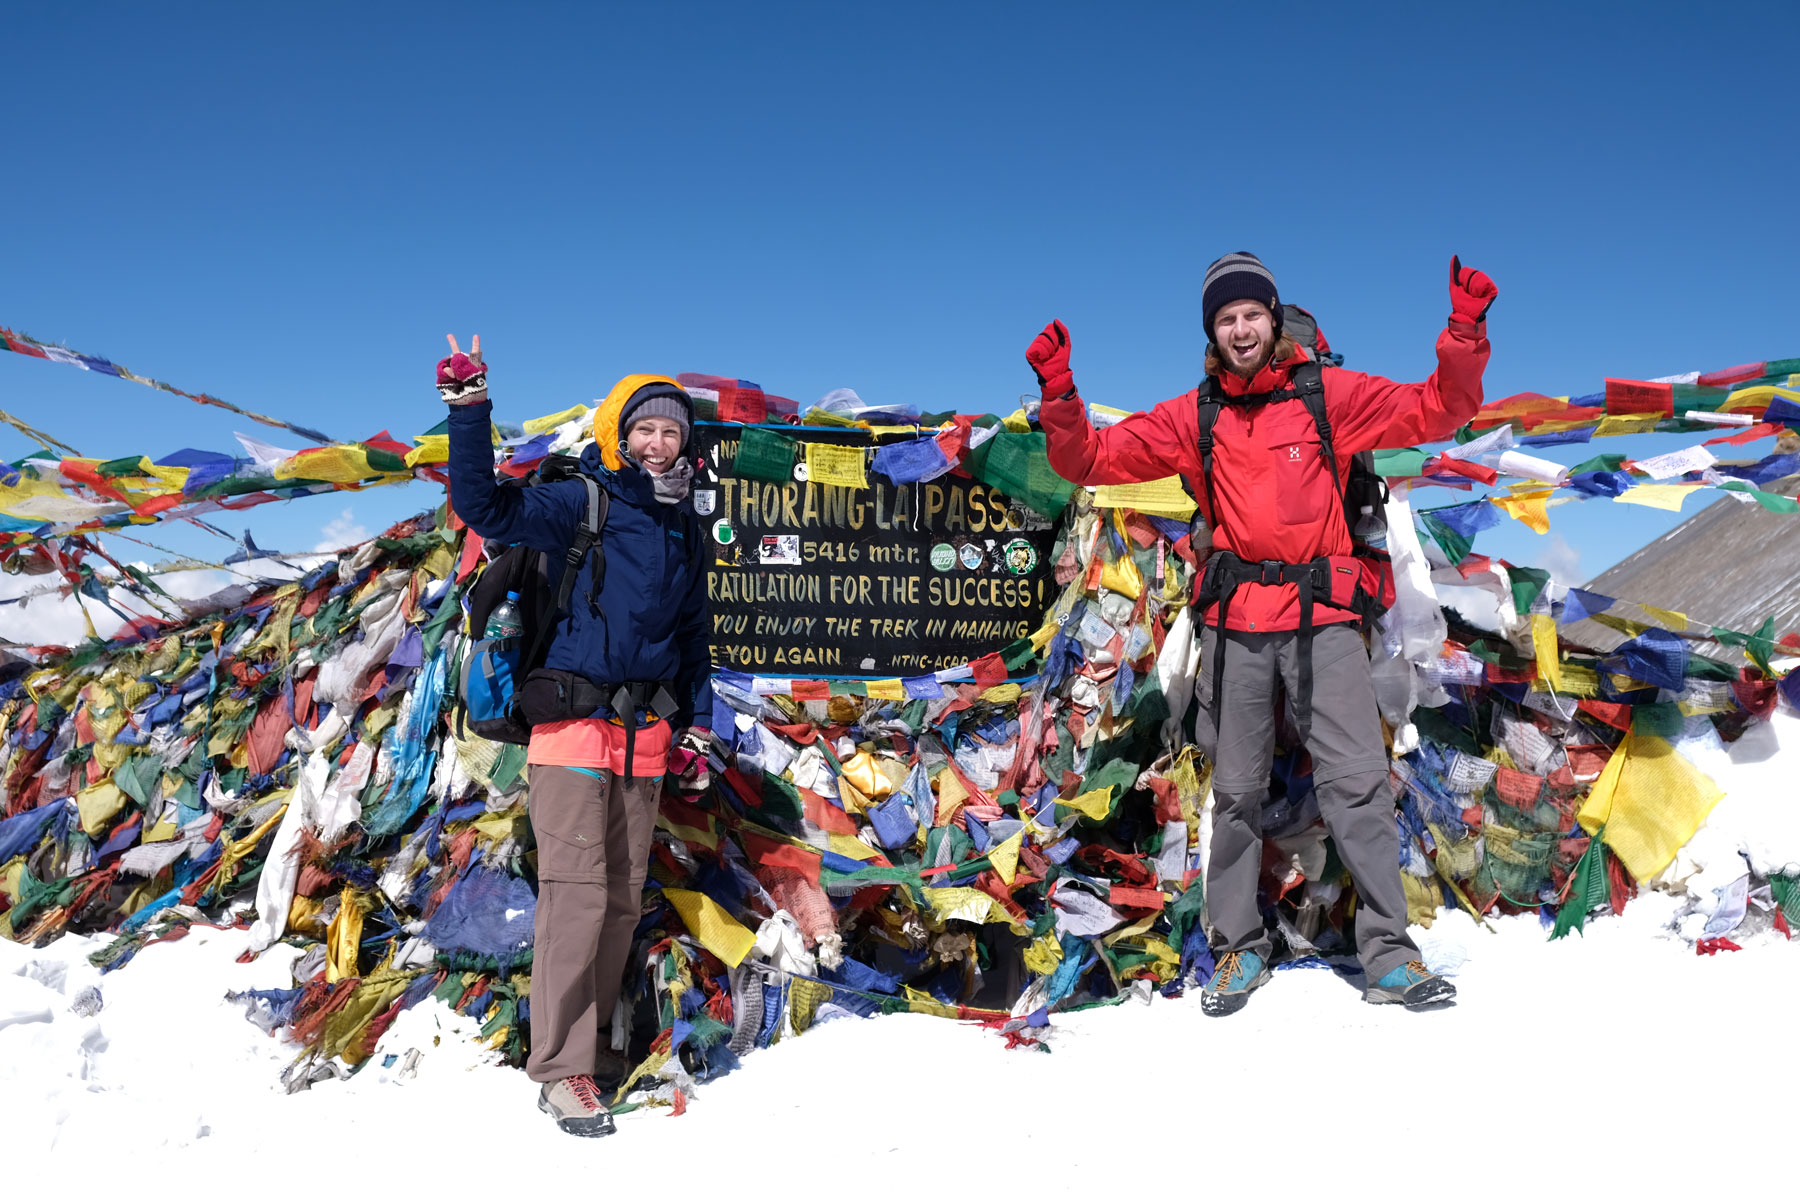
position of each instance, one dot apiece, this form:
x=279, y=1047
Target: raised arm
x=544, y=517
x=1144, y=446
x=1368, y=412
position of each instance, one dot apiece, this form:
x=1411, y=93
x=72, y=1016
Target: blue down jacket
x=652, y=618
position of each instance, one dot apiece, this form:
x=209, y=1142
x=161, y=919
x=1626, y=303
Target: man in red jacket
x=1280, y=589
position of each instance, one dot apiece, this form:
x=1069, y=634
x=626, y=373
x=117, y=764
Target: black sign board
x=814, y=581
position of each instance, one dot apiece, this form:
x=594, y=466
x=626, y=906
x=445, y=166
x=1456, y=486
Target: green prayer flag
x=1590, y=889
x=1527, y=583
x=1407, y=460
x=765, y=454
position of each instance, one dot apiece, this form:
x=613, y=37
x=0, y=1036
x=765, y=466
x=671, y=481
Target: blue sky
x=289, y=207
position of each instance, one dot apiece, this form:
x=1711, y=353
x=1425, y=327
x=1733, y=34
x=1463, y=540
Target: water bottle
x=1370, y=530
x=504, y=621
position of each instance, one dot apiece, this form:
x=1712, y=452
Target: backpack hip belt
x=553, y=695
x=1225, y=572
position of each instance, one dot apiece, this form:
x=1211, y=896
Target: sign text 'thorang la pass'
x=812, y=580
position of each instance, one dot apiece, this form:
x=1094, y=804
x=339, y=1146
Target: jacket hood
x=607, y=433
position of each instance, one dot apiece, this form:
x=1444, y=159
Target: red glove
x=1048, y=355
x=1471, y=293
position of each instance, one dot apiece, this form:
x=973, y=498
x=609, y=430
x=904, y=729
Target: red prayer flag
x=767, y=852
x=1459, y=466
x=811, y=689
x=1616, y=715
x=1637, y=396
x=1518, y=788
x=1730, y=375
x=1748, y=434
x=826, y=815
x=990, y=670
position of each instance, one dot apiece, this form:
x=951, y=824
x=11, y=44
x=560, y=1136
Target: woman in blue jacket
x=636, y=621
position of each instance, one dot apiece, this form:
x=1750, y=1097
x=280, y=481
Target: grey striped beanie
x=1239, y=276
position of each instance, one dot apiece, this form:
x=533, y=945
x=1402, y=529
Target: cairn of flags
x=997, y=841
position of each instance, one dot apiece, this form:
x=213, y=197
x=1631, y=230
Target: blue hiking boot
x=1239, y=973
x=1411, y=985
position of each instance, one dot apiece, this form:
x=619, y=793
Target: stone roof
x=1731, y=565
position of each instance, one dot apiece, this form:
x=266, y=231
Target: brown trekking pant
x=593, y=838
x=1350, y=774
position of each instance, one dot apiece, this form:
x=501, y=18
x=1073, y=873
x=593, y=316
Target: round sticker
x=971, y=555
x=723, y=533
x=1019, y=556
x=799, y=472
x=943, y=556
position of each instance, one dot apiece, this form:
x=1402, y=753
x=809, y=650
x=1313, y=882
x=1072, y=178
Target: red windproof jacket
x=1270, y=478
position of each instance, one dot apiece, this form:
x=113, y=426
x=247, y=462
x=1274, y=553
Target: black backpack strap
x=1206, y=415
x=1309, y=384
x=587, y=537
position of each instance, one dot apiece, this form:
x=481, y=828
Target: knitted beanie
x=658, y=400
x=1239, y=276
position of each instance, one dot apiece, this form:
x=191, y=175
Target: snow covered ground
x=1618, y=1058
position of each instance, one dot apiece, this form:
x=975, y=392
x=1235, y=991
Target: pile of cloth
x=1016, y=836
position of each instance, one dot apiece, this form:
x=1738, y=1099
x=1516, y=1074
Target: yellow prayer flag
x=333, y=464
x=1527, y=507
x=344, y=938
x=689, y=833
x=1668, y=617
x=1043, y=954
x=1618, y=426
x=967, y=904
x=1094, y=805
x=1757, y=397
x=865, y=774
x=1578, y=680
x=1002, y=693
x=1123, y=577
x=432, y=448
x=1549, y=655
x=234, y=852
x=98, y=805
x=173, y=479
x=836, y=466
x=1657, y=495
x=12, y=872
x=1650, y=800
x=1005, y=857
x=1163, y=497
x=850, y=847
x=886, y=689
x=951, y=794
x=544, y=424
x=711, y=925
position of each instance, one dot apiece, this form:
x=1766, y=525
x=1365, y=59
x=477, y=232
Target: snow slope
x=1618, y=1058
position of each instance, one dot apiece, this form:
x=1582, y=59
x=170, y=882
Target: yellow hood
x=606, y=417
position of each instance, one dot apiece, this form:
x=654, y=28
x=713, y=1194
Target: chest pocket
x=1297, y=465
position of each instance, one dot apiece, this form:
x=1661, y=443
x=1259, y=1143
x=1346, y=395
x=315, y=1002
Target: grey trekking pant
x=1350, y=774
x=593, y=837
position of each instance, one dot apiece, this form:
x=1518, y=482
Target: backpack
x=489, y=684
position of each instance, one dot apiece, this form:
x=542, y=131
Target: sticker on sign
x=781, y=550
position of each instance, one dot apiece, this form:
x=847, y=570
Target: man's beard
x=1257, y=362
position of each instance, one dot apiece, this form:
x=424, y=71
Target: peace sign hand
x=462, y=378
